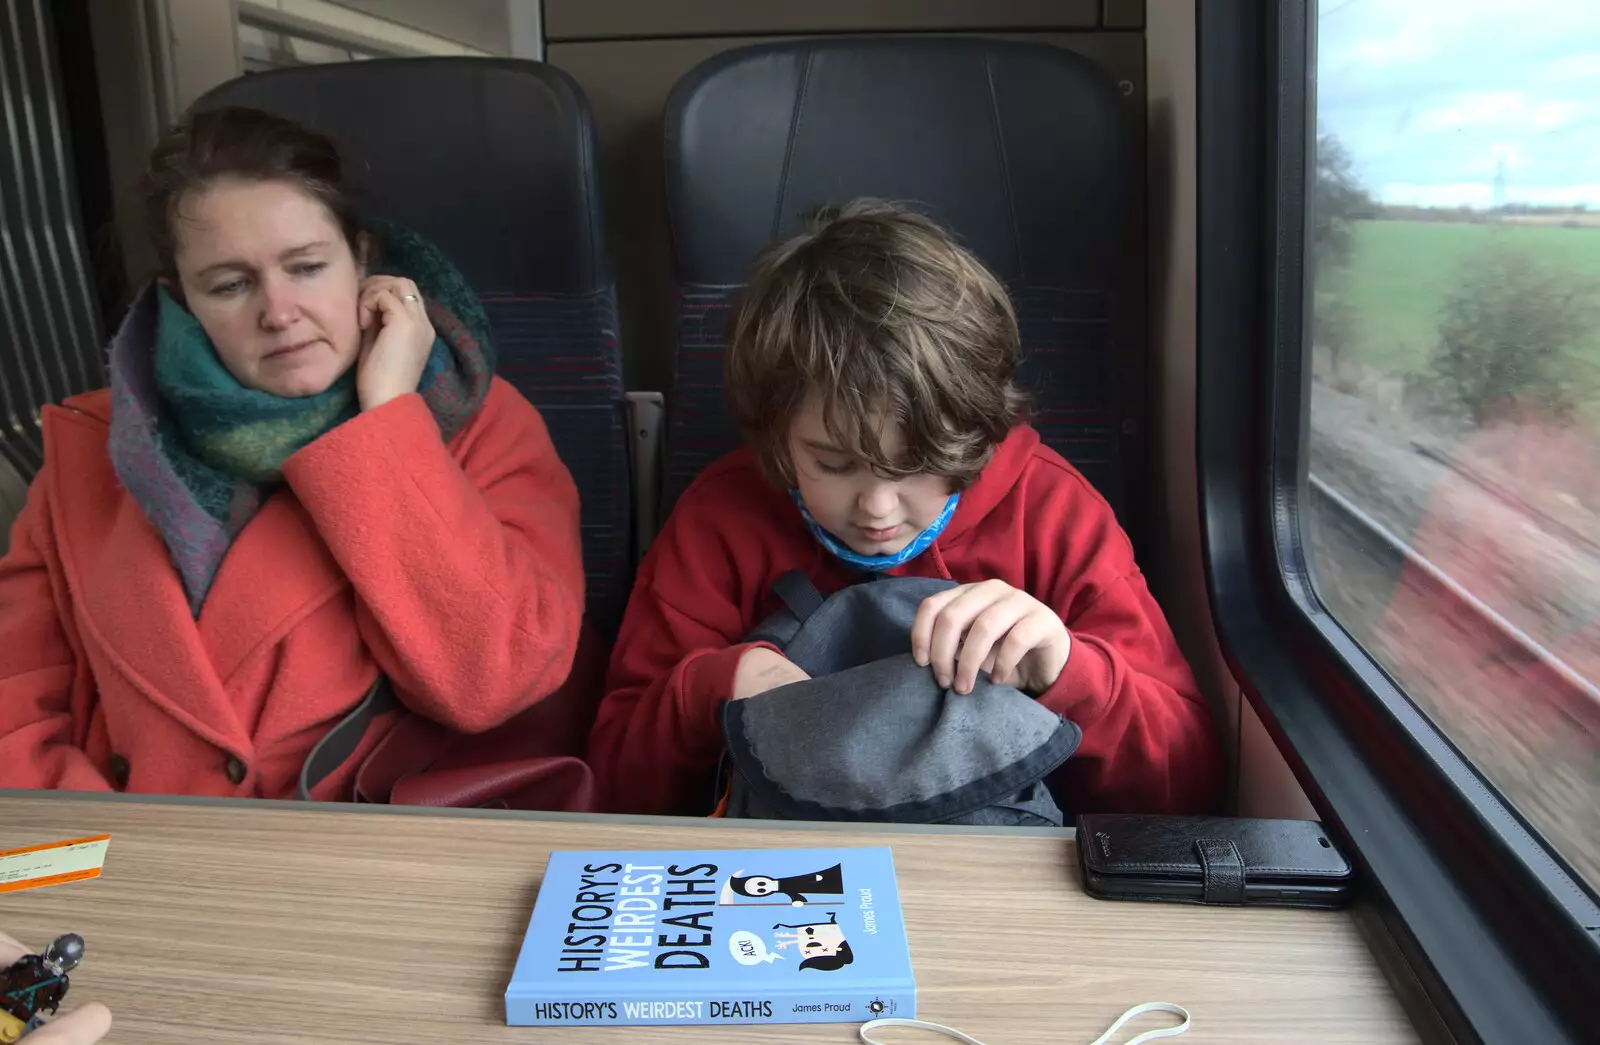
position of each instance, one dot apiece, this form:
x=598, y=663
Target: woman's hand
x=760, y=669
x=396, y=338
x=994, y=627
x=83, y=1026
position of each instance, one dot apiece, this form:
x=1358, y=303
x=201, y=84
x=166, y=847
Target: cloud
x=1432, y=97
x=1501, y=110
x=1407, y=45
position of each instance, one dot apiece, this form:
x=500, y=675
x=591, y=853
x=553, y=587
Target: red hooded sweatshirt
x=1030, y=520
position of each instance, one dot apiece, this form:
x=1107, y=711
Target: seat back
x=1018, y=148
x=494, y=161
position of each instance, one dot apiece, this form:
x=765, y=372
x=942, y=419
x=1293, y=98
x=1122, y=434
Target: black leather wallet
x=1211, y=860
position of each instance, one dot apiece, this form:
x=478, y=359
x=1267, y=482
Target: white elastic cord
x=1133, y=1013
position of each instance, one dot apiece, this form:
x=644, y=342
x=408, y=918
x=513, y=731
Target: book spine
x=851, y=1004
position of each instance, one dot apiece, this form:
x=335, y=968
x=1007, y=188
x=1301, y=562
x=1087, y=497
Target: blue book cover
x=706, y=936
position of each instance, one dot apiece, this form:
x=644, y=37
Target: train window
x=1454, y=503
x=263, y=47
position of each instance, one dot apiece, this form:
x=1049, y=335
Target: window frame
x=1485, y=933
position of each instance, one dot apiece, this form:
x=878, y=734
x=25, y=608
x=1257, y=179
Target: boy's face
x=871, y=515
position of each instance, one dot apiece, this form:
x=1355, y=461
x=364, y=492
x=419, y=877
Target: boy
x=870, y=365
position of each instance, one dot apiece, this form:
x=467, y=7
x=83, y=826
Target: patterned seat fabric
x=561, y=352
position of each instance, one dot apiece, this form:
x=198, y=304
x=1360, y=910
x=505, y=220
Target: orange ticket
x=52, y=864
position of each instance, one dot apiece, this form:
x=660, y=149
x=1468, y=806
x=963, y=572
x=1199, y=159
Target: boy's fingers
x=981, y=638
x=984, y=638
x=952, y=624
x=10, y=950
x=1029, y=633
x=949, y=627
x=922, y=624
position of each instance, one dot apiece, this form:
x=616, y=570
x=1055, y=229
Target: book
x=699, y=936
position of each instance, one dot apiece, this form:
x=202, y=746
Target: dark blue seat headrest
x=492, y=159
x=1021, y=149
x=1016, y=147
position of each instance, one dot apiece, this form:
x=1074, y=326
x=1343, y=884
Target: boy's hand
x=993, y=627
x=761, y=669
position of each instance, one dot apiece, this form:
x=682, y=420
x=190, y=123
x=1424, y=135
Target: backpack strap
x=800, y=600
x=798, y=593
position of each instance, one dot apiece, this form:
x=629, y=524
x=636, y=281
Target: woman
x=303, y=476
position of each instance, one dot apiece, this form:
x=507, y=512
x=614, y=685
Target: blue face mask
x=879, y=563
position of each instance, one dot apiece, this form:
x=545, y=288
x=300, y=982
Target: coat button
x=236, y=769
x=119, y=771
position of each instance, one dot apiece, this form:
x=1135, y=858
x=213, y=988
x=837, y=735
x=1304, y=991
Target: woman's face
x=269, y=274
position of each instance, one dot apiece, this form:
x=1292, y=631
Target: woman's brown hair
x=879, y=312
x=249, y=145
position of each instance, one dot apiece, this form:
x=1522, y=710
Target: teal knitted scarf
x=201, y=452
x=236, y=432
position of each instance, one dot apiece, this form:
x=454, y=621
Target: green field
x=1400, y=272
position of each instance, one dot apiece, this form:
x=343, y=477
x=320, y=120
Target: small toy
x=35, y=983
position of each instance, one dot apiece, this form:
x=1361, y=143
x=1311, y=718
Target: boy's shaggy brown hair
x=880, y=313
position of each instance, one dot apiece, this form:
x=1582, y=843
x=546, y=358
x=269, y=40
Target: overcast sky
x=1428, y=95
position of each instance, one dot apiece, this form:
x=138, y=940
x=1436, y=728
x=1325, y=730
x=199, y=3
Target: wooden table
x=223, y=922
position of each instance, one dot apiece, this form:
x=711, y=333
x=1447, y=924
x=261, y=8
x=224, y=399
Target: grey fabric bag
x=872, y=736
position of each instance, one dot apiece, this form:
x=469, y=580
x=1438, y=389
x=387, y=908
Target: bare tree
x=1337, y=201
x=1507, y=334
